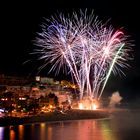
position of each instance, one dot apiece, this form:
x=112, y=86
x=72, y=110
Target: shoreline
x=55, y=116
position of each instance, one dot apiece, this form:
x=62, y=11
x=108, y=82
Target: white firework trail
x=81, y=45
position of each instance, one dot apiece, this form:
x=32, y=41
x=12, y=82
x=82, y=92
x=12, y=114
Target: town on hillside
x=22, y=96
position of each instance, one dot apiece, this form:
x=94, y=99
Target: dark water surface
x=121, y=126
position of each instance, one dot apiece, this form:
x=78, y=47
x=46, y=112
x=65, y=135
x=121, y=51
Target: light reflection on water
x=70, y=130
x=122, y=128
x=1, y=133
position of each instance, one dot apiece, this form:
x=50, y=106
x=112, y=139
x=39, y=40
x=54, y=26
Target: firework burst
x=84, y=47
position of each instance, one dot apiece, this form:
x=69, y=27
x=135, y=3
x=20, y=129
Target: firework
x=84, y=47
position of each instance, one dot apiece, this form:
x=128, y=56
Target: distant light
x=1, y=110
x=35, y=89
x=22, y=98
x=4, y=99
x=37, y=78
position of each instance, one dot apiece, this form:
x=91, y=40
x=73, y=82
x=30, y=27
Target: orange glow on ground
x=88, y=104
x=81, y=106
x=93, y=106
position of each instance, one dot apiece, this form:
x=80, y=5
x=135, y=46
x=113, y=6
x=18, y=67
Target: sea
x=121, y=125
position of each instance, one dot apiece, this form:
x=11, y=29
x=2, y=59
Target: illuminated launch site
x=85, y=48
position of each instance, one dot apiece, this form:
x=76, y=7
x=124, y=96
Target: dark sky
x=19, y=22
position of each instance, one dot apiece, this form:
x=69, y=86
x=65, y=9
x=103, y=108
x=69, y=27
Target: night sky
x=19, y=23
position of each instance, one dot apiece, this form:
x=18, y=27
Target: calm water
x=121, y=126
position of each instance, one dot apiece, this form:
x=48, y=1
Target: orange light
x=88, y=104
x=81, y=106
x=4, y=99
x=50, y=106
x=94, y=106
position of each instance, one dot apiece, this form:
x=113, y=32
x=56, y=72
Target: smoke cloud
x=115, y=99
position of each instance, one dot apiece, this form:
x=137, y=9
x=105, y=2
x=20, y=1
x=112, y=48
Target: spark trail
x=84, y=47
